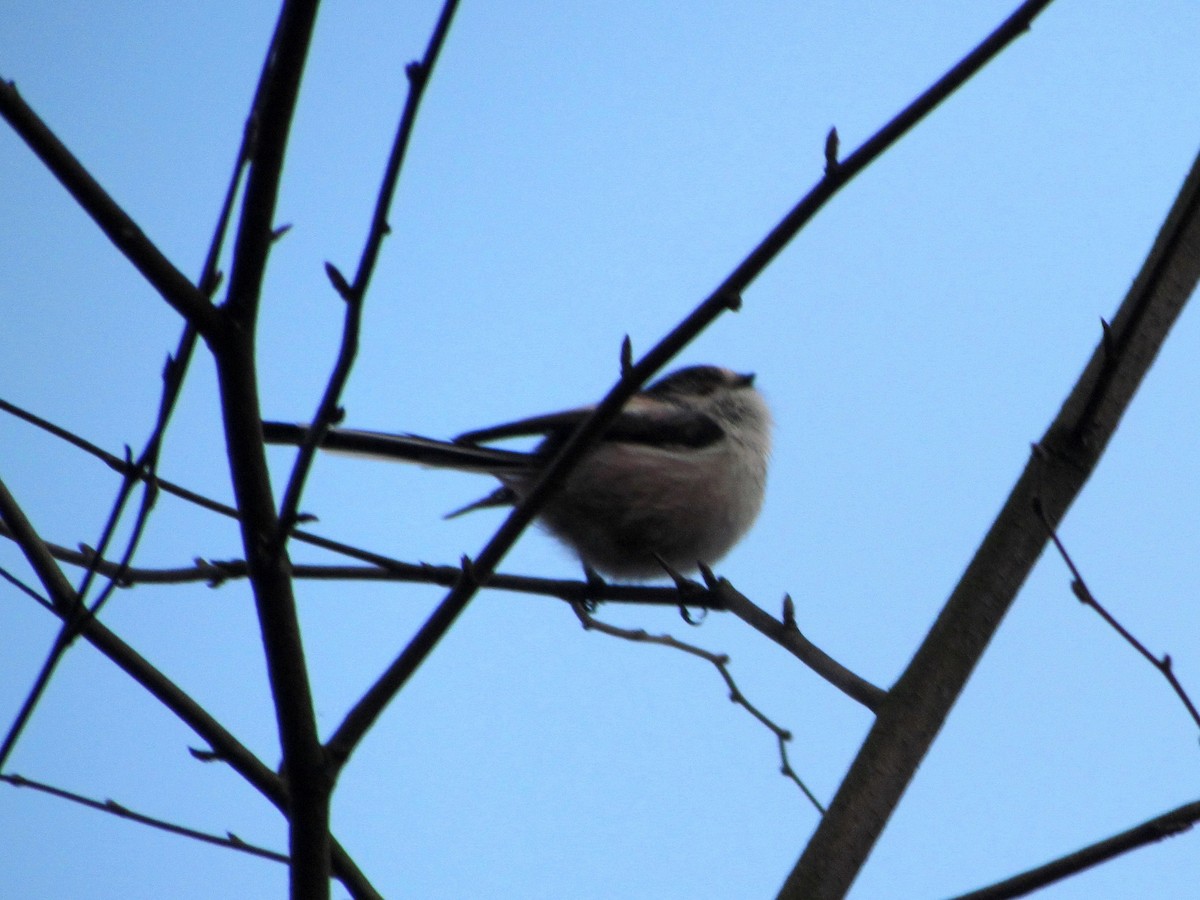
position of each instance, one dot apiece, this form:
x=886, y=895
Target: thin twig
x=162, y=275
x=1167, y=825
x=1085, y=596
x=224, y=745
x=727, y=296
x=921, y=699
x=788, y=637
x=719, y=661
x=229, y=840
x=354, y=295
x=142, y=472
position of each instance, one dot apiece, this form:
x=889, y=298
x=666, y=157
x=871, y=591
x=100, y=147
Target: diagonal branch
x=174, y=287
x=918, y=704
x=229, y=840
x=1167, y=825
x=788, y=636
x=354, y=294
x=727, y=296
x=1085, y=596
x=63, y=600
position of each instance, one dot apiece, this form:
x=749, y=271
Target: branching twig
x=142, y=472
x=721, y=662
x=1084, y=594
x=787, y=635
x=918, y=703
x=387, y=568
x=354, y=294
x=1167, y=825
x=172, y=284
x=229, y=840
x=727, y=296
x=225, y=745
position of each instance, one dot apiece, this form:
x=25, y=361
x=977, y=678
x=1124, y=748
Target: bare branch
x=788, y=637
x=918, y=704
x=1167, y=825
x=1085, y=596
x=233, y=348
x=721, y=663
x=354, y=294
x=225, y=745
x=727, y=296
x=229, y=840
x=174, y=287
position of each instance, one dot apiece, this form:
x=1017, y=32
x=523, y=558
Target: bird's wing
x=638, y=423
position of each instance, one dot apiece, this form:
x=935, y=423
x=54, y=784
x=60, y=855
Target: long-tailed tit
x=677, y=476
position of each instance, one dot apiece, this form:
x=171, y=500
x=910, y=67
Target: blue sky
x=576, y=176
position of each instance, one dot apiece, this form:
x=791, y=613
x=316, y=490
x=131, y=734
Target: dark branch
x=229, y=840
x=918, y=704
x=188, y=300
x=225, y=746
x=354, y=294
x=788, y=637
x=1085, y=596
x=721, y=663
x=727, y=296
x=1167, y=825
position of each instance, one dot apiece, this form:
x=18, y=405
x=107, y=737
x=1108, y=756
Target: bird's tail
x=403, y=447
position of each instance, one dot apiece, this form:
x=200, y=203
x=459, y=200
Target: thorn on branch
x=280, y=231
x=466, y=569
x=831, y=152
x=416, y=73
x=205, y=756
x=626, y=356
x=1107, y=341
x=339, y=281
x=789, y=613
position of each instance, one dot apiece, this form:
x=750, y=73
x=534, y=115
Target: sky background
x=578, y=175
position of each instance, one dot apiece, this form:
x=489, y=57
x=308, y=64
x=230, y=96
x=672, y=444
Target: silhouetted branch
x=62, y=600
x=1085, y=596
x=229, y=840
x=918, y=704
x=719, y=661
x=727, y=296
x=174, y=287
x=788, y=636
x=354, y=294
x=233, y=348
x=1167, y=825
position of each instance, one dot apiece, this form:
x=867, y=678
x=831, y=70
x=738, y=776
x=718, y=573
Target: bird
x=673, y=483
